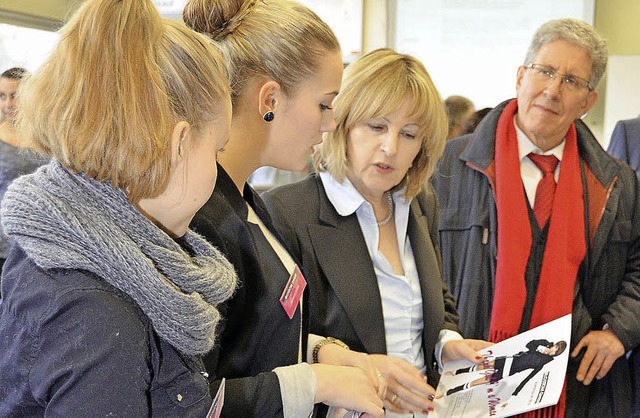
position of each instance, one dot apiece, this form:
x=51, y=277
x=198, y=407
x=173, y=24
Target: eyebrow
x=333, y=93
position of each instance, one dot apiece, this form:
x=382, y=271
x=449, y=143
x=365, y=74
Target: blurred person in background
x=459, y=111
x=14, y=161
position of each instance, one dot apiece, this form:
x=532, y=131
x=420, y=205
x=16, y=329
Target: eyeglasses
x=545, y=74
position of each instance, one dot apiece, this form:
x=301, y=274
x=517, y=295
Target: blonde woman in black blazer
x=365, y=228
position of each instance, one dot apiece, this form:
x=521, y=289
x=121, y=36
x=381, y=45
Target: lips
x=545, y=109
x=383, y=167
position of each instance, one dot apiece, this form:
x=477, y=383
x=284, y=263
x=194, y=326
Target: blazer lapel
x=342, y=251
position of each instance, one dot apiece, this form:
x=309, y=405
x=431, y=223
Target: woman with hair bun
x=285, y=68
x=109, y=300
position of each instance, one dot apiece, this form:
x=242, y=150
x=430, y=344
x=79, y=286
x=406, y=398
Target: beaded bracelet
x=323, y=342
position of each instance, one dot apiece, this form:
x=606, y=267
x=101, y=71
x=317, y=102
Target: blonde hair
x=277, y=39
x=377, y=85
x=106, y=100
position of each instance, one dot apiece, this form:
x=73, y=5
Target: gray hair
x=578, y=33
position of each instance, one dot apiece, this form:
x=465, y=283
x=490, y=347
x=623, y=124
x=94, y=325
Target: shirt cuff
x=444, y=337
x=297, y=389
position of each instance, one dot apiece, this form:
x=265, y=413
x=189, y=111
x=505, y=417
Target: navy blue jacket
x=72, y=345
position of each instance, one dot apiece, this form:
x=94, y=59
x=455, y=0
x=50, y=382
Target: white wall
x=473, y=48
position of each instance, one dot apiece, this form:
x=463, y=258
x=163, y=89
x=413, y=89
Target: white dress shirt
x=401, y=295
x=530, y=173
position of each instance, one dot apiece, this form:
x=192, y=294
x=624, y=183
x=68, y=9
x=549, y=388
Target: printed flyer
x=520, y=374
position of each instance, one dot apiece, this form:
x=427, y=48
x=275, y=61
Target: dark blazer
x=256, y=335
x=625, y=143
x=345, y=300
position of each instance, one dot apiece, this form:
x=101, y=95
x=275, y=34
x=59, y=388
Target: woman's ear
x=269, y=97
x=180, y=137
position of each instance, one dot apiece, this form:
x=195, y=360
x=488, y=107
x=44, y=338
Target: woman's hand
x=407, y=389
x=347, y=387
x=339, y=356
x=464, y=349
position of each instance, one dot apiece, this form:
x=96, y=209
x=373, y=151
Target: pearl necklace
x=390, y=210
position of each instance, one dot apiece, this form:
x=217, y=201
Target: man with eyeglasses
x=538, y=221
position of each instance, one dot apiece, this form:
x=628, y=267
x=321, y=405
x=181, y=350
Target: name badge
x=218, y=402
x=292, y=293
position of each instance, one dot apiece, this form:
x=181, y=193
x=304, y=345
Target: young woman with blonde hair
x=109, y=300
x=366, y=229
x=285, y=68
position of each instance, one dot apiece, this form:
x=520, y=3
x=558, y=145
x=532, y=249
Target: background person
x=625, y=143
x=459, y=112
x=365, y=228
x=510, y=264
x=285, y=68
x=109, y=301
x=14, y=161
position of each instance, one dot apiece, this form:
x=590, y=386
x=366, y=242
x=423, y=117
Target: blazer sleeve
x=618, y=144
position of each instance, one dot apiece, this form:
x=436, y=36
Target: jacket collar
x=480, y=152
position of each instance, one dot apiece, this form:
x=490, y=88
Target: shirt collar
x=525, y=146
x=344, y=197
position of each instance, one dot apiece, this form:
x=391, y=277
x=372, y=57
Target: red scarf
x=565, y=248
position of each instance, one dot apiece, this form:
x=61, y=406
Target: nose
x=389, y=143
x=553, y=87
x=8, y=103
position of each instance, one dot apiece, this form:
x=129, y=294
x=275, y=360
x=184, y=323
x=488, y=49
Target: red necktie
x=546, y=187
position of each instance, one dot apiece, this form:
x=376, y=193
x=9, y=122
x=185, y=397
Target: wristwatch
x=323, y=342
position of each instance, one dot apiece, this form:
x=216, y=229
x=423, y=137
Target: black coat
x=256, y=335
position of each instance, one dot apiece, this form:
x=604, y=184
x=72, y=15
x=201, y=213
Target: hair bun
x=216, y=18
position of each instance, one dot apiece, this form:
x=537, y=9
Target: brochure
x=520, y=374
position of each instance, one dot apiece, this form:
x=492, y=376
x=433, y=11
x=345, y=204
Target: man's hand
x=603, y=348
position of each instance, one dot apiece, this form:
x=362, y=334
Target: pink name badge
x=216, y=407
x=292, y=293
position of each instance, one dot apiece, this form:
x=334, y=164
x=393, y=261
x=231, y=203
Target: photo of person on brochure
x=539, y=353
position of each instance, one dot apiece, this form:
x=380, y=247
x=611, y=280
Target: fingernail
x=431, y=397
x=478, y=357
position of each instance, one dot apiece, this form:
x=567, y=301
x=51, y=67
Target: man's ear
x=521, y=70
x=180, y=137
x=589, y=101
x=269, y=97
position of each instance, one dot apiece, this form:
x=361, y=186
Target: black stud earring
x=268, y=117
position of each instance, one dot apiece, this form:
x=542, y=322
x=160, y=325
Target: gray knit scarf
x=64, y=220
